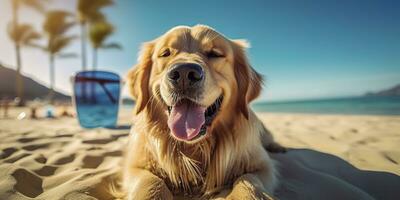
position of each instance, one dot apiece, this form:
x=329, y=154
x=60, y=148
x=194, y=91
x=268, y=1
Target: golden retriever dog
x=194, y=135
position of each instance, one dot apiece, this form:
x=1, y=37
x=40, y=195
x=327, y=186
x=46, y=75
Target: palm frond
x=22, y=34
x=13, y=32
x=89, y=10
x=59, y=43
x=56, y=25
x=58, y=22
x=96, y=16
x=99, y=32
x=30, y=37
x=37, y=46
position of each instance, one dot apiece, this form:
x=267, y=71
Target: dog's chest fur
x=183, y=169
x=194, y=171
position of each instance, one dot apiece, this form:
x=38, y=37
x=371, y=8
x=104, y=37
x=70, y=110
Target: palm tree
x=22, y=34
x=98, y=33
x=56, y=25
x=89, y=11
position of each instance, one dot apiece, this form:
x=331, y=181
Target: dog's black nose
x=186, y=75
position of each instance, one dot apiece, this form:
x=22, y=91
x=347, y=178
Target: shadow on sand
x=309, y=174
x=119, y=127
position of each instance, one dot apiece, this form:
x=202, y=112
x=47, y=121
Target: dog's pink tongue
x=185, y=120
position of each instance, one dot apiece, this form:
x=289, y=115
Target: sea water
x=365, y=105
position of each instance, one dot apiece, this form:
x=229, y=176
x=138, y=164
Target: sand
x=56, y=159
x=367, y=142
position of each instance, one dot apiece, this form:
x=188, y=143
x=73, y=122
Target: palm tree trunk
x=83, y=44
x=19, y=82
x=94, y=58
x=19, y=86
x=83, y=55
x=52, y=78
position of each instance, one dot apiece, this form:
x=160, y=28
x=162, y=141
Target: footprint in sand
x=33, y=147
x=95, y=161
x=119, y=135
x=65, y=160
x=26, y=140
x=99, y=141
x=105, y=140
x=41, y=159
x=8, y=152
x=46, y=170
x=92, y=162
x=27, y=183
x=64, y=135
x=113, y=153
x=16, y=158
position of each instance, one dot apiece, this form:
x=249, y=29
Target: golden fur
x=231, y=161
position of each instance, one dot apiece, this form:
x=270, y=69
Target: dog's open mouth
x=188, y=120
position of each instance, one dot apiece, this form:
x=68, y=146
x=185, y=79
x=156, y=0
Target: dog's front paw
x=149, y=189
x=248, y=193
x=247, y=189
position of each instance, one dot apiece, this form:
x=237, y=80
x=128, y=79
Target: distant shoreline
x=361, y=105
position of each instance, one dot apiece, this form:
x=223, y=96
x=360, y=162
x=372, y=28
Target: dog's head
x=193, y=78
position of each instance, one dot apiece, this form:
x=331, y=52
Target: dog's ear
x=249, y=82
x=138, y=77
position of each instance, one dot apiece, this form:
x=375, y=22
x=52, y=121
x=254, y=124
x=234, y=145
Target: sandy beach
x=367, y=142
x=57, y=159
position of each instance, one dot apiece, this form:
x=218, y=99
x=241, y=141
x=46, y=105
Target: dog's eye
x=214, y=54
x=165, y=53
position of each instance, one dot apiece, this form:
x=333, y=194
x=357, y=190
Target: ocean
x=365, y=105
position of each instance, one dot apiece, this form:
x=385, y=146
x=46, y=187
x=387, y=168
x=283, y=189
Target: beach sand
x=56, y=159
x=367, y=142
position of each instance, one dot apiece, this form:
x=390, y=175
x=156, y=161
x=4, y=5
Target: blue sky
x=305, y=49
